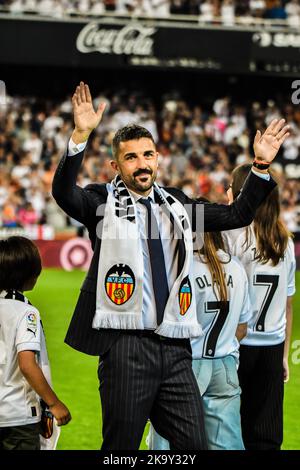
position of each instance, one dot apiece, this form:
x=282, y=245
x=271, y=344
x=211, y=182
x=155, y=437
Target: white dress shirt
x=169, y=245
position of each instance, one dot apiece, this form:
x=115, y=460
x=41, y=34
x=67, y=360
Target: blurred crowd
x=207, y=10
x=198, y=149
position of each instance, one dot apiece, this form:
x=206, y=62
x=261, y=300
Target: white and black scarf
x=119, y=297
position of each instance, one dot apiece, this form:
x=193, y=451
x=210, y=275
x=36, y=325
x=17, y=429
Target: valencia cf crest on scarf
x=185, y=295
x=119, y=283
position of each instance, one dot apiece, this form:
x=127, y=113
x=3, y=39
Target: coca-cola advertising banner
x=117, y=43
x=76, y=253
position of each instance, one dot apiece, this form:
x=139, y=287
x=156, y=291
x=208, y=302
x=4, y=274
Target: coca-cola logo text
x=133, y=39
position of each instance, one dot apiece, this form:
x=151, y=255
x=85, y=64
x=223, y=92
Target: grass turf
x=75, y=375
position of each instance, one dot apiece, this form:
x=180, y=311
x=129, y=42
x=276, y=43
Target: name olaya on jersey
x=204, y=281
x=219, y=320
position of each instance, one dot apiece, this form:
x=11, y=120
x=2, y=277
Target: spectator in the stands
x=292, y=9
x=213, y=11
x=197, y=142
x=9, y=214
x=207, y=10
x=27, y=215
x=228, y=12
x=34, y=146
x=275, y=10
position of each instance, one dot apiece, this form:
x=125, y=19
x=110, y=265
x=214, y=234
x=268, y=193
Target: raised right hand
x=86, y=119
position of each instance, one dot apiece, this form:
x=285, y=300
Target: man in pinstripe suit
x=142, y=375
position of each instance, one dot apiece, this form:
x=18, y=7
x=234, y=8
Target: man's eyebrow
x=133, y=154
x=129, y=154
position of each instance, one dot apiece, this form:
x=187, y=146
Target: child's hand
x=286, y=371
x=61, y=413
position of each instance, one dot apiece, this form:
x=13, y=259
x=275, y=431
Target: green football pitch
x=75, y=375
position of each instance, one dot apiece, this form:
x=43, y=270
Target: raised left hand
x=266, y=145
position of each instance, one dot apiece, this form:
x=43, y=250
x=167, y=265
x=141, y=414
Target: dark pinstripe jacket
x=81, y=204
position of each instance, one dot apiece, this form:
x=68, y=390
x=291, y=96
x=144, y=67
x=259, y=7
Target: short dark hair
x=20, y=262
x=130, y=132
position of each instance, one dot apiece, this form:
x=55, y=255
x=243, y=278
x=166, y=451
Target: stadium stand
x=200, y=140
x=227, y=12
x=198, y=149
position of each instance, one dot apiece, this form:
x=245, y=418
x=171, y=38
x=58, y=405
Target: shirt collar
x=137, y=196
x=14, y=294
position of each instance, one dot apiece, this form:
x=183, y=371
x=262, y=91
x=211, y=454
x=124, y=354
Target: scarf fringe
x=118, y=322
x=175, y=330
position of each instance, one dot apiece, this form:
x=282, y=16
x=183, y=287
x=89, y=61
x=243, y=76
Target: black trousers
x=261, y=380
x=24, y=437
x=143, y=376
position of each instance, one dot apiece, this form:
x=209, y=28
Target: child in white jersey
x=221, y=290
x=266, y=251
x=22, y=351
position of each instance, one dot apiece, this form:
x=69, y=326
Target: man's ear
x=114, y=165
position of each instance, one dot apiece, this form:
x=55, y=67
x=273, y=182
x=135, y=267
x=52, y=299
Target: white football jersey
x=20, y=330
x=269, y=287
x=219, y=324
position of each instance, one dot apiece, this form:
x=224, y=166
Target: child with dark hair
x=24, y=368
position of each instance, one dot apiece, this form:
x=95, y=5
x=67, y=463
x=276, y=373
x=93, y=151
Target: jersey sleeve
x=291, y=288
x=28, y=336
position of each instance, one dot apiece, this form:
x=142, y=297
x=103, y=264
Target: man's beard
x=135, y=184
x=143, y=187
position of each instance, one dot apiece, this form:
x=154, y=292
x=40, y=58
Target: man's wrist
x=258, y=170
x=80, y=137
x=260, y=165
